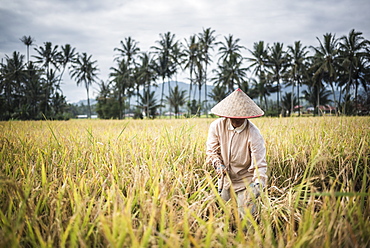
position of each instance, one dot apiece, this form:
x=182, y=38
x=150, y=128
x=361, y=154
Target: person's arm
x=258, y=156
x=213, y=150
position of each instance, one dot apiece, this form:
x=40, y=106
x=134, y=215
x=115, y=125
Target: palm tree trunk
x=137, y=93
x=335, y=99
x=169, y=90
x=47, y=90
x=205, y=90
x=128, y=105
x=60, y=79
x=340, y=101
x=120, y=105
x=278, y=96
x=88, y=101
x=147, y=100
x=160, y=112
x=266, y=102
x=299, y=102
x=190, y=88
x=200, y=99
x=318, y=99
x=356, y=99
x=291, y=100
x=205, y=98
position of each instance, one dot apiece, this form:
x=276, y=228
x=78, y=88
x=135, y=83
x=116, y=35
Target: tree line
x=31, y=89
x=336, y=72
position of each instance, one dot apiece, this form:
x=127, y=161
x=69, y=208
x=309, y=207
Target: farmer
x=236, y=150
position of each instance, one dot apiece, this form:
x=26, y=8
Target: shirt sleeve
x=213, y=150
x=258, y=156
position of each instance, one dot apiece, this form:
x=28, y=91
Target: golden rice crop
x=143, y=183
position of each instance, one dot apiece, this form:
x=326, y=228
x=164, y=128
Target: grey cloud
x=96, y=26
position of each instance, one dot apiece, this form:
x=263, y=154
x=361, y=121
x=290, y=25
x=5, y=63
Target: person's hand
x=221, y=170
x=256, y=189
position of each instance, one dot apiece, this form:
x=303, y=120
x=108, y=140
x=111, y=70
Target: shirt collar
x=238, y=129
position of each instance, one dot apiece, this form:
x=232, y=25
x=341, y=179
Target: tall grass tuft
x=143, y=183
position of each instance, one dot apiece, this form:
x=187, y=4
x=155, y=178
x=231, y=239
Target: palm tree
x=160, y=69
x=13, y=76
x=191, y=59
x=105, y=90
x=123, y=83
x=128, y=51
x=231, y=73
x=166, y=63
x=262, y=89
x=48, y=87
x=146, y=72
x=58, y=104
x=218, y=93
x=259, y=57
x=352, y=54
x=277, y=63
x=176, y=99
x=207, y=41
x=49, y=57
x=297, y=67
x=288, y=102
x=199, y=79
x=230, y=69
x=315, y=94
x=68, y=56
x=326, y=61
x=84, y=71
x=148, y=104
x=259, y=61
x=33, y=89
x=194, y=58
x=28, y=41
x=106, y=106
x=177, y=58
x=229, y=49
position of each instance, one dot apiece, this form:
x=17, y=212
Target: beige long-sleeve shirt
x=242, y=150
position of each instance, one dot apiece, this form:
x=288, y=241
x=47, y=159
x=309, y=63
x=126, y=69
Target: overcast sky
x=97, y=26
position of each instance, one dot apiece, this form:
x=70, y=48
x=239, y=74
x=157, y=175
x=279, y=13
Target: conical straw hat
x=237, y=105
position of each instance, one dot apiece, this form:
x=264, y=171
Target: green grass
x=143, y=183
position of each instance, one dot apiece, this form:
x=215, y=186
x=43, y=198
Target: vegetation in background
x=335, y=72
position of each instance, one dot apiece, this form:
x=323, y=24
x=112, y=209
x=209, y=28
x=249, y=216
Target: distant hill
x=158, y=92
x=182, y=86
x=84, y=102
x=195, y=92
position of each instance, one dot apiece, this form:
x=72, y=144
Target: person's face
x=237, y=122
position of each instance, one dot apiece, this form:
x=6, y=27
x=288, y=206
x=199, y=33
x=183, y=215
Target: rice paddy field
x=144, y=183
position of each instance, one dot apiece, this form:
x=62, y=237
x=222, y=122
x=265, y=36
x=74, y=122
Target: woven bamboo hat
x=237, y=105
